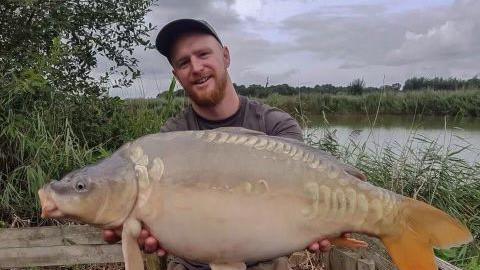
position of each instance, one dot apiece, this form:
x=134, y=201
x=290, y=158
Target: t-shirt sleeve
x=177, y=123
x=280, y=123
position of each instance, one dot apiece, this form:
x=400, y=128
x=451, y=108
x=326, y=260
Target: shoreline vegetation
x=461, y=103
x=419, y=96
x=43, y=145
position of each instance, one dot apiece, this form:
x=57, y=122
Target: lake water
x=395, y=131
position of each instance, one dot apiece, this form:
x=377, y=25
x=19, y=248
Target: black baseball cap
x=174, y=29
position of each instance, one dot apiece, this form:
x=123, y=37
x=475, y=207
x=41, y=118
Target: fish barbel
x=232, y=196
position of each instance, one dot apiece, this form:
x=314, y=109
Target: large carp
x=231, y=196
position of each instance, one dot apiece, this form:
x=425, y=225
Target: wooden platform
x=74, y=245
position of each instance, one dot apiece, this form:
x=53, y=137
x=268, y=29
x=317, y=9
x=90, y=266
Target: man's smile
x=201, y=81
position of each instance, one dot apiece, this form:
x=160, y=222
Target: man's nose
x=197, y=65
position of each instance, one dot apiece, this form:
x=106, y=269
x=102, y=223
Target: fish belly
x=230, y=226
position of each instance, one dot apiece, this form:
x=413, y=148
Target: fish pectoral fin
x=131, y=251
x=228, y=266
x=347, y=242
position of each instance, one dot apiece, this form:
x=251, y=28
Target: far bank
x=461, y=103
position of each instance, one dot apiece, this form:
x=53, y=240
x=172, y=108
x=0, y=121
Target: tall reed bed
x=453, y=103
x=36, y=155
x=146, y=116
x=39, y=143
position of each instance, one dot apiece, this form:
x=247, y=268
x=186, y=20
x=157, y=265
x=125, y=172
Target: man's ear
x=226, y=56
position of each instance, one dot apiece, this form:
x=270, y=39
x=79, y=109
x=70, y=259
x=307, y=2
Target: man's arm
x=280, y=123
x=177, y=123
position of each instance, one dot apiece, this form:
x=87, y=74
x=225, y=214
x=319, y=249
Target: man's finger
x=314, y=246
x=324, y=245
x=161, y=252
x=118, y=231
x=141, y=242
x=144, y=234
x=151, y=245
x=110, y=236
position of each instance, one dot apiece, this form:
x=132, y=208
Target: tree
x=85, y=30
x=49, y=50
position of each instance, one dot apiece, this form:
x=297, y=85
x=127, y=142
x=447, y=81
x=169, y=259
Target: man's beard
x=209, y=98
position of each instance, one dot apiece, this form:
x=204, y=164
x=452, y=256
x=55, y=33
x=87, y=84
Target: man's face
x=200, y=64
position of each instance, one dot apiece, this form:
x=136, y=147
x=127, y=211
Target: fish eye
x=81, y=186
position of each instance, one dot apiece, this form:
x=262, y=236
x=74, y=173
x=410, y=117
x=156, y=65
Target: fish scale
x=335, y=205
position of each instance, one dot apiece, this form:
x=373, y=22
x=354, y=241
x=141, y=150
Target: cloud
x=452, y=40
x=317, y=42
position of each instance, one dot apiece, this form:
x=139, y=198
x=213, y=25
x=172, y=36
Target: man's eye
x=182, y=64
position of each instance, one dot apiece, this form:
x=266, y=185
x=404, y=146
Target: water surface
x=395, y=131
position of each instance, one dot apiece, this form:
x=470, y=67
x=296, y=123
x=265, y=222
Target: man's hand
x=324, y=245
x=150, y=244
x=146, y=241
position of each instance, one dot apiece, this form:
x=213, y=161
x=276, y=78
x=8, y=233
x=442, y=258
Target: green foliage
x=441, y=84
x=356, y=87
x=423, y=169
x=143, y=116
x=85, y=31
x=453, y=103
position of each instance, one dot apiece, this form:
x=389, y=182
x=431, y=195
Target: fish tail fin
x=423, y=228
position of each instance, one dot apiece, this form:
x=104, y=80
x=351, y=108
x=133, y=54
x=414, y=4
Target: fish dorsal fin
x=327, y=156
x=239, y=130
x=321, y=154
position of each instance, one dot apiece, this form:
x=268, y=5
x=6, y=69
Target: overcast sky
x=308, y=42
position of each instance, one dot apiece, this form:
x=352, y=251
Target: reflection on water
x=395, y=131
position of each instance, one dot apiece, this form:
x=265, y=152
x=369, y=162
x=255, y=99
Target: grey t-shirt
x=252, y=114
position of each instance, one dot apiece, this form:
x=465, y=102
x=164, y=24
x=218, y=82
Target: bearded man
x=200, y=63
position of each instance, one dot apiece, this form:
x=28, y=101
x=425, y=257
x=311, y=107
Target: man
x=200, y=62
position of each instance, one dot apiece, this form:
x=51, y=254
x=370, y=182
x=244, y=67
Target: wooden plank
x=443, y=265
x=325, y=259
x=365, y=264
x=381, y=263
x=50, y=236
x=60, y=255
x=343, y=260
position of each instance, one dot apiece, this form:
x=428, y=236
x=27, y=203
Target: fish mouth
x=49, y=207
